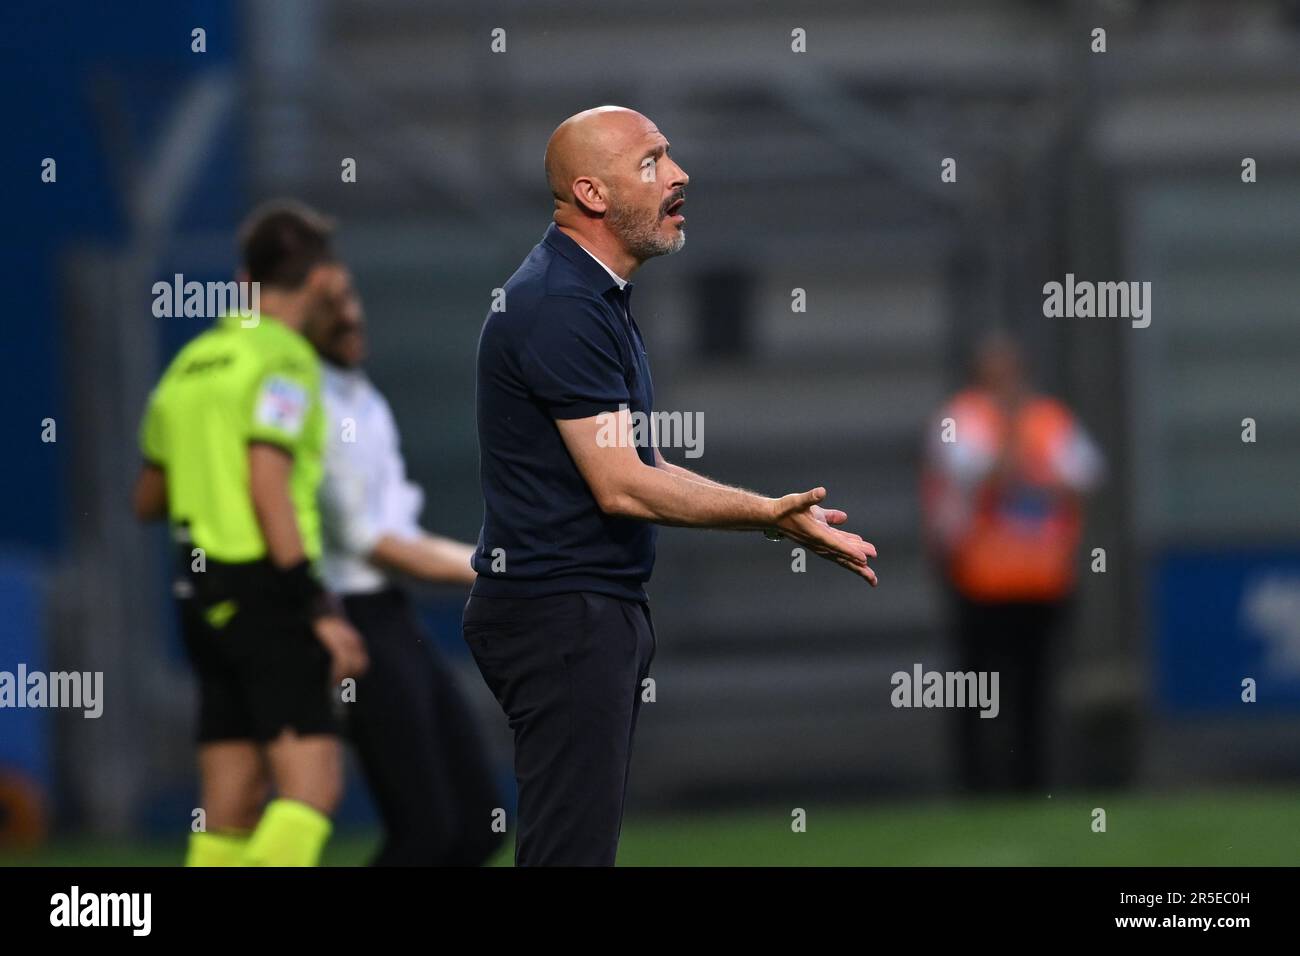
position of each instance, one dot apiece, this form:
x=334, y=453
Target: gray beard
x=640, y=233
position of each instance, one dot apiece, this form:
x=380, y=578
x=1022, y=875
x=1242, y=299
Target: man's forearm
x=427, y=557
x=689, y=475
x=665, y=496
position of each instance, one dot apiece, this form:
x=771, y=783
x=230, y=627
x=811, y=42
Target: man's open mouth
x=675, y=206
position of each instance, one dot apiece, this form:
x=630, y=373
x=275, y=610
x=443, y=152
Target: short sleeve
x=572, y=362
x=1078, y=462
x=282, y=401
x=961, y=446
x=153, y=445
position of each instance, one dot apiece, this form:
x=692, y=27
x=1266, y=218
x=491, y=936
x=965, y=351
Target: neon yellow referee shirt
x=228, y=388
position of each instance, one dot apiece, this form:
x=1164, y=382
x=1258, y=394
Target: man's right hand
x=800, y=518
x=346, y=649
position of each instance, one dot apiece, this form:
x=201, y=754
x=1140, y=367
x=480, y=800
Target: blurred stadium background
x=817, y=171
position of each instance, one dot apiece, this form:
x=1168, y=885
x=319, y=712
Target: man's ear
x=589, y=194
x=323, y=279
x=317, y=277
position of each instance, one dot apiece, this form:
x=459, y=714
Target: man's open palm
x=801, y=518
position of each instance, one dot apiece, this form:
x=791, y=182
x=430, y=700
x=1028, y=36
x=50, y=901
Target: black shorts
x=261, y=670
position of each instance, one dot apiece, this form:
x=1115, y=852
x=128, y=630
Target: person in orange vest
x=1005, y=474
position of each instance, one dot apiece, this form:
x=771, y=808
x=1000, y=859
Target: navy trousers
x=567, y=670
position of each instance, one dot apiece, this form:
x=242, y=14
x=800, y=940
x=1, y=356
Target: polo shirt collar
x=618, y=279
x=601, y=276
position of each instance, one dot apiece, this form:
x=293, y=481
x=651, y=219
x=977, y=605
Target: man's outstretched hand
x=801, y=518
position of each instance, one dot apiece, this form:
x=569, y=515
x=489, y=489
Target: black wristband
x=300, y=589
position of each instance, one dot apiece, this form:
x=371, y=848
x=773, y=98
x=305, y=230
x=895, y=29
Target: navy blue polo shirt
x=565, y=346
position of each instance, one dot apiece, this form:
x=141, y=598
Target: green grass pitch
x=1230, y=829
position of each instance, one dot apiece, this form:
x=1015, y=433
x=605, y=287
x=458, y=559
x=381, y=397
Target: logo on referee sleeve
x=282, y=406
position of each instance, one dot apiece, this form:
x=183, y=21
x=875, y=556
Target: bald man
x=558, y=620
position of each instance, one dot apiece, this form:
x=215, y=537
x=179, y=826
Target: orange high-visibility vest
x=1016, y=543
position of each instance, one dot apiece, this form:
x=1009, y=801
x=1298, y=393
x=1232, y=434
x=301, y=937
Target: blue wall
x=57, y=60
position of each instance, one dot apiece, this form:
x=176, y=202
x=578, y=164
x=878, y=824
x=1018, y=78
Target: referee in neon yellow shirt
x=233, y=439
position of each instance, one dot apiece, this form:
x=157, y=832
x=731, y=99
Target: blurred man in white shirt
x=419, y=747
